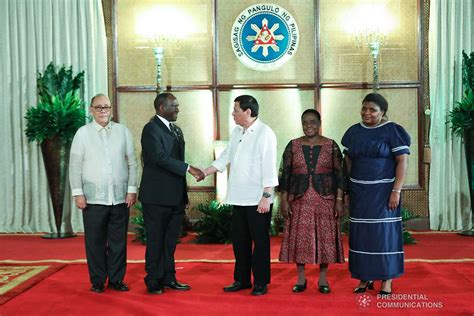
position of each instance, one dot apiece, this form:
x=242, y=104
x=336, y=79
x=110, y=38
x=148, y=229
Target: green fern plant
x=407, y=215
x=277, y=224
x=140, y=231
x=462, y=115
x=468, y=71
x=60, y=109
x=57, y=83
x=215, y=226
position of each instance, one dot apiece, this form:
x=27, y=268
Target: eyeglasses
x=102, y=108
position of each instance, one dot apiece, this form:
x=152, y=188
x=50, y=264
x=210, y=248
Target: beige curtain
x=451, y=31
x=34, y=33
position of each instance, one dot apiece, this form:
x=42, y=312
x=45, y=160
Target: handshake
x=198, y=173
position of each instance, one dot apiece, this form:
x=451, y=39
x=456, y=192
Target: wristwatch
x=267, y=195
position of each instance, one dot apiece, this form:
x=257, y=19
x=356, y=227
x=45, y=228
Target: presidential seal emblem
x=264, y=37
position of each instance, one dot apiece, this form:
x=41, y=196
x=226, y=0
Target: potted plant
x=214, y=227
x=53, y=123
x=462, y=120
x=139, y=221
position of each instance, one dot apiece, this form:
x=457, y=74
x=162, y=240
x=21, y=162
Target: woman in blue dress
x=376, y=153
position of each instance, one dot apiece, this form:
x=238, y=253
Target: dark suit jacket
x=164, y=171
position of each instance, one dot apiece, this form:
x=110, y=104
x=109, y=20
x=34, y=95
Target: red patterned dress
x=311, y=176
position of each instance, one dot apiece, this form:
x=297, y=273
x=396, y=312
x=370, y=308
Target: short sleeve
x=346, y=142
x=224, y=159
x=399, y=141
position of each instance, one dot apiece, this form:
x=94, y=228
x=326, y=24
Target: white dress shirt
x=168, y=124
x=102, y=165
x=165, y=121
x=252, y=157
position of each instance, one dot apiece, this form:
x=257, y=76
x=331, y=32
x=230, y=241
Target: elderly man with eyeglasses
x=103, y=178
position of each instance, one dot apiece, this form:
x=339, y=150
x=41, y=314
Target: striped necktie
x=174, y=131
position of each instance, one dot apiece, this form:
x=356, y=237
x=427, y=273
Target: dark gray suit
x=163, y=196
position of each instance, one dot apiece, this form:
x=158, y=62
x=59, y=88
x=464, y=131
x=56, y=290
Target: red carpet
x=440, y=289
x=431, y=246
x=438, y=280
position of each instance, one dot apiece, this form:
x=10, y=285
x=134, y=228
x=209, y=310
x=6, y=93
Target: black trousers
x=105, y=234
x=251, y=228
x=163, y=225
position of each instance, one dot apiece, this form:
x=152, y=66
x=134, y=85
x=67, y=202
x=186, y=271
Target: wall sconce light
x=369, y=25
x=158, y=52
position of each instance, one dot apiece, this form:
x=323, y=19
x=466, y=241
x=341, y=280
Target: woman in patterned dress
x=376, y=153
x=311, y=189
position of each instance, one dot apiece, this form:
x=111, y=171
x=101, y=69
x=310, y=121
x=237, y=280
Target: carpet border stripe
x=80, y=261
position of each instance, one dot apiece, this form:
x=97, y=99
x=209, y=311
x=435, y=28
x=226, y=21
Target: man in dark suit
x=163, y=193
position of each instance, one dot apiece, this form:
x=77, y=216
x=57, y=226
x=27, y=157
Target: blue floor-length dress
x=375, y=233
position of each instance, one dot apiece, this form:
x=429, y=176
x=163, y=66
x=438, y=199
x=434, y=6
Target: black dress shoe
x=237, y=286
x=175, y=285
x=118, y=286
x=156, y=290
x=299, y=287
x=368, y=285
x=98, y=287
x=324, y=288
x=259, y=290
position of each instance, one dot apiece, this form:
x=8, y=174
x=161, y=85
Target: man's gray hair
x=98, y=95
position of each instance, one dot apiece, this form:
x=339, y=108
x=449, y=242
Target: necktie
x=174, y=131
